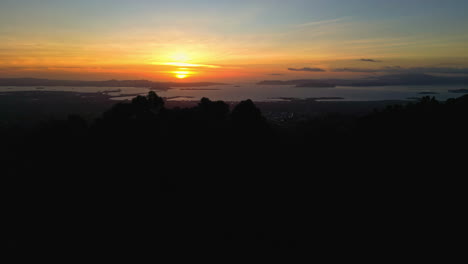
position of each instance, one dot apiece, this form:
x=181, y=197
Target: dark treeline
x=144, y=178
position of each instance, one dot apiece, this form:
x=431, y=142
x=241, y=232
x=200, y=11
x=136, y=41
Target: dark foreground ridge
x=144, y=178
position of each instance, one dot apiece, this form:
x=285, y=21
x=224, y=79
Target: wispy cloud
x=307, y=69
x=320, y=22
x=369, y=60
x=369, y=70
x=184, y=64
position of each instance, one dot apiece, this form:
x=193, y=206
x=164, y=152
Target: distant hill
x=459, y=91
x=385, y=80
x=108, y=83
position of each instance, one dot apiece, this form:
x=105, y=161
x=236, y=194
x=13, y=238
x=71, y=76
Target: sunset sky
x=231, y=40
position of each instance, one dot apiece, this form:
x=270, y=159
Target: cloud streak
x=368, y=70
x=307, y=69
x=369, y=60
x=321, y=22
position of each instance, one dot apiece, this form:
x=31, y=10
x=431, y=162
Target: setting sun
x=182, y=65
x=182, y=74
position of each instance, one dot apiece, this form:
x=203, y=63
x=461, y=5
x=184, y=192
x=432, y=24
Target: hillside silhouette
x=143, y=177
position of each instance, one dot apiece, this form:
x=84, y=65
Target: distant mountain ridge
x=385, y=80
x=108, y=83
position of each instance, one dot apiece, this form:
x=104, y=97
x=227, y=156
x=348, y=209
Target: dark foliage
x=144, y=178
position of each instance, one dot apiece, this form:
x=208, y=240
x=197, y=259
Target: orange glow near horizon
x=196, y=66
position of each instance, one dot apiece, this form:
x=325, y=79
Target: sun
x=181, y=65
x=179, y=74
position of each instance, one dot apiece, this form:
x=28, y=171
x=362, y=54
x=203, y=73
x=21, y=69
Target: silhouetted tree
x=140, y=101
x=155, y=102
x=246, y=114
x=216, y=111
x=120, y=111
x=151, y=102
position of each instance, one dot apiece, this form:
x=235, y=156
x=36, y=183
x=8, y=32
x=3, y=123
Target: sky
x=202, y=40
